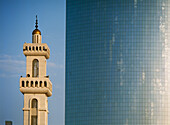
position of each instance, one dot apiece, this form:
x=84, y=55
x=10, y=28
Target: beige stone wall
x=26, y=117
x=44, y=115
x=42, y=65
x=36, y=38
x=42, y=108
x=36, y=49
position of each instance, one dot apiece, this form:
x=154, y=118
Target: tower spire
x=36, y=26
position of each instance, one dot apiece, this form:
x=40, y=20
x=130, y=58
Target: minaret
x=36, y=86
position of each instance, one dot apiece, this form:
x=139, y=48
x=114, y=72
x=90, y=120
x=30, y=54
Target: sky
x=17, y=21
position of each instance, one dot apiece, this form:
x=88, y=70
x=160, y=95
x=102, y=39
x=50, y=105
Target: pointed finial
x=36, y=31
x=36, y=26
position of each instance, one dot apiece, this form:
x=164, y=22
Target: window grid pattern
x=117, y=62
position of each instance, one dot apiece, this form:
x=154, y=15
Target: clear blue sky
x=17, y=21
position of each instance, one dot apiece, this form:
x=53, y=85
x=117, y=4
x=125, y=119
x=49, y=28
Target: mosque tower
x=36, y=86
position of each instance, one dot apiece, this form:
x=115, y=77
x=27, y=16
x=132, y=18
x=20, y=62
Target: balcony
x=36, y=49
x=36, y=85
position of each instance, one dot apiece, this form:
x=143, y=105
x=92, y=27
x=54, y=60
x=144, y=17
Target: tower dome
x=36, y=31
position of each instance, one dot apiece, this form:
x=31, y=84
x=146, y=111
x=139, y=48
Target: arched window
x=35, y=68
x=34, y=113
x=34, y=103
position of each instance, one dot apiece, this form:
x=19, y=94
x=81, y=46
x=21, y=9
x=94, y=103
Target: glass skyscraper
x=117, y=62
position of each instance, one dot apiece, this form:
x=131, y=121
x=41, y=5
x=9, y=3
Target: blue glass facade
x=117, y=62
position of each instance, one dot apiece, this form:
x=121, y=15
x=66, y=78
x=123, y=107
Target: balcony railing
x=36, y=85
x=40, y=49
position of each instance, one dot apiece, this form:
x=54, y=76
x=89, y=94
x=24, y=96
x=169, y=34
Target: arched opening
x=27, y=82
x=23, y=84
x=45, y=84
x=44, y=48
x=35, y=68
x=33, y=48
x=40, y=83
x=34, y=112
x=36, y=83
x=32, y=84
